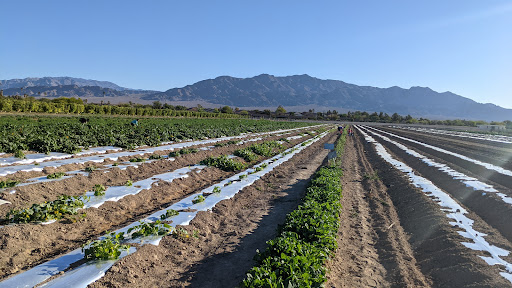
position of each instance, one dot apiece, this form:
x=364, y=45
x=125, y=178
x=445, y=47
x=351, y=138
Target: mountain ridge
x=267, y=90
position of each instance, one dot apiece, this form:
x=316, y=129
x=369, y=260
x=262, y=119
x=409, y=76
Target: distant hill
x=57, y=81
x=304, y=90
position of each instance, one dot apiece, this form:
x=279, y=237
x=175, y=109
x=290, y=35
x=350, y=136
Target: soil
x=373, y=249
x=229, y=235
x=435, y=242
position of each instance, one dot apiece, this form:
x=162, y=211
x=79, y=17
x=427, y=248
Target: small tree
x=280, y=110
x=227, y=110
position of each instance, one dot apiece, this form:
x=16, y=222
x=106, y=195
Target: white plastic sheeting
x=91, y=272
x=462, y=134
x=453, y=209
x=468, y=181
x=483, y=164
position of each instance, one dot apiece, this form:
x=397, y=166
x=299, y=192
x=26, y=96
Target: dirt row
x=373, y=249
x=229, y=234
x=435, y=243
x=488, y=206
x=26, y=245
x=464, y=166
x=496, y=153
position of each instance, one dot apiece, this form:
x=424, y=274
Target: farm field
x=418, y=209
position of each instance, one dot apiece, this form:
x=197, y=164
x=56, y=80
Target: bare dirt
x=373, y=249
x=435, y=242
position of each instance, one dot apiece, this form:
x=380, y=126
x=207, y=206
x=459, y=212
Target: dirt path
x=228, y=235
x=372, y=247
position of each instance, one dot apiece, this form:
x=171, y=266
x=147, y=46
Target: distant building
x=492, y=127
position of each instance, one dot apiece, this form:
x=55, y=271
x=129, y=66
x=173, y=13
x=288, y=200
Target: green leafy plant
x=54, y=210
x=246, y=154
x=19, y=154
x=128, y=183
x=371, y=176
x=56, y=175
x=169, y=213
x=115, y=164
x=198, y=199
x=242, y=176
x=296, y=257
x=137, y=159
x=8, y=183
x=99, y=190
x=106, y=249
x=224, y=163
x=90, y=169
x=155, y=157
x=145, y=229
x=216, y=189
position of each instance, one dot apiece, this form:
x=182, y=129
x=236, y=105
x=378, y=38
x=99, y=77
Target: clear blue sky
x=463, y=46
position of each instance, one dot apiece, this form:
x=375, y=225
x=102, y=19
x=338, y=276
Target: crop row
x=296, y=257
x=67, y=134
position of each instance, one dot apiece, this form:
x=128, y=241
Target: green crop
x=106, y=249
x=307, y=238
x=8, y=183
x=169, y=213
x=246, y=154
x=66, y=134
x=56, y=175
x=19, y=154
x=137, y=159
x=128, y=183
x=224, y=163
x=183, y=152
x=144, y=229
x=216, y=189
x=198, y=199
x=155, y=157
x=64, y=205
x=99, y=190
x=90, y=169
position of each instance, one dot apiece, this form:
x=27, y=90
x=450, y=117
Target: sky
x=462, y=46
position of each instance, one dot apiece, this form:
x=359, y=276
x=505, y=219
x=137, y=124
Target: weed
x=371, y=177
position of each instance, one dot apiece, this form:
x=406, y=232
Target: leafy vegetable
x=64, y=205
x=106, y=249
x=99, y=190
x=198, y=199
x=156, y=228
x=169, y=213
x=224, y=163
x=56, y=175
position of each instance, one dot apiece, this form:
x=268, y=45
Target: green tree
x=280, y=110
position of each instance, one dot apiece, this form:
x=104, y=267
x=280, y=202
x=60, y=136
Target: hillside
x=303, y=90
x=72, y=91
x=57, y=81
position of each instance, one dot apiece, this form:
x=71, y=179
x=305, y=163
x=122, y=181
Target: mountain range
x=267, y=91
